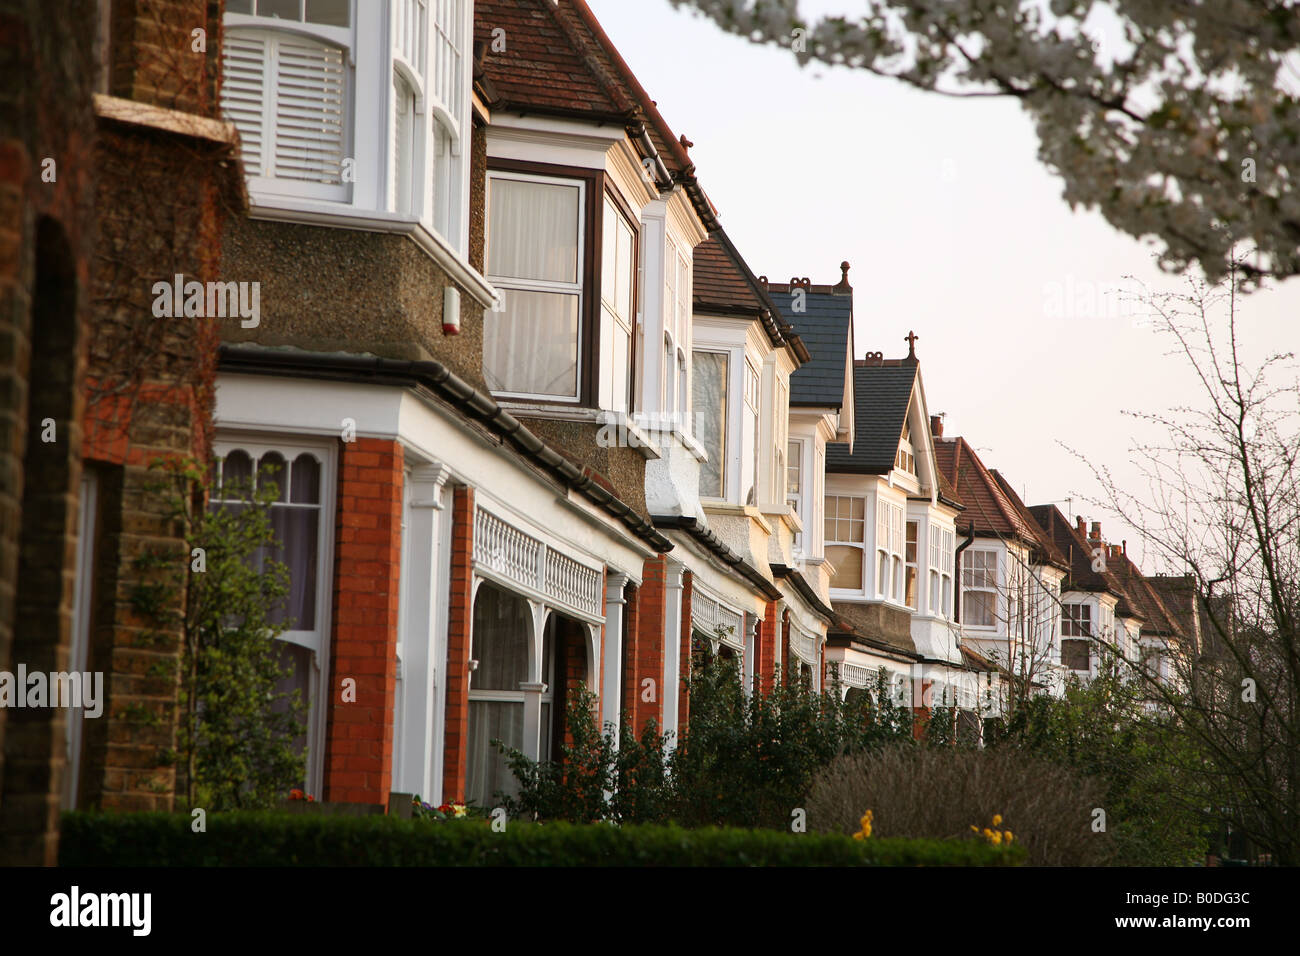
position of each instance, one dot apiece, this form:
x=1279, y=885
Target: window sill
x=741, y=511
x=319, y=213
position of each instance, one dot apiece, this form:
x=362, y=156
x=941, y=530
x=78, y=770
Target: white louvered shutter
x=287, y=95
x=243, y=99
x=310, y=111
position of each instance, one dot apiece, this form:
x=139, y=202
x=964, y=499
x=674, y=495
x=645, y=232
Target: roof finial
x=686, y=143
x=910, y=338
x=844, y=276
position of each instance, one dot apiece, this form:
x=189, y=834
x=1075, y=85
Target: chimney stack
x=936, y=426
x=1095, y=534
x=1078, y=523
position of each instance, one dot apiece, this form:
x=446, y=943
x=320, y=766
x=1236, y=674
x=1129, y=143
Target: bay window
x=300, y=522
x=793, y=485
x=752, y=406
x=1076, y=631
x=617, y=298
x=535, y=242
x=289, y=94
x=359, y=106
x=709, y=403
x=677, y=334
x=889, y=550
x=979, y=582
x=845, y=530
x=910, y=563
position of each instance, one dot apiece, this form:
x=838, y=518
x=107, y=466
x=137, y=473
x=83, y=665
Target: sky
x=953, y=229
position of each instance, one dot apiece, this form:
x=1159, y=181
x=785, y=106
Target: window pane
x=709, y=397
x=848, y=566
x=622, y=353
x=623, y=294
x=272, y=470
x=298, y=661
x=608, y=258
x=297, y=531
x=487, y=769
x=236, y=474
x=333, y=13
x=533, y=230
x=239, y=6
x=532, y=346
x=305, y=480
x=502, y=623
x=979, y=608
x=284, y=9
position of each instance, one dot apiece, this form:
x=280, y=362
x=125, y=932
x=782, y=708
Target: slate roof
x=826, y=327
x=1075, y=546
x=881, y=395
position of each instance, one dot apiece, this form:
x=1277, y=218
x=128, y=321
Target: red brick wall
x=783, y=661
x=646, y=654
x=359, y=739
x=767, y=647
x=630, y=631
x=460, y=620
x=684, y=653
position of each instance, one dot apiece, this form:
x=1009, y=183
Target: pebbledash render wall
x=110, y=179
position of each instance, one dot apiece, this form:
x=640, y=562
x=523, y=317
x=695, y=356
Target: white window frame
x=237, y=25
x=577, y=287
x=622, y=379
x=316, y=640
x=967, y=568
x=728, y=430
x=860, y=544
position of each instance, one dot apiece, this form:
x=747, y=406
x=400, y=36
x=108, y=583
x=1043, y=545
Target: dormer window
x=905, y=459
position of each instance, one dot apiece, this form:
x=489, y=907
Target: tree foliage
x=1178, y=121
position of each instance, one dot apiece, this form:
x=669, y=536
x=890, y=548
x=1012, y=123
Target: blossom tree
x=1179, y=121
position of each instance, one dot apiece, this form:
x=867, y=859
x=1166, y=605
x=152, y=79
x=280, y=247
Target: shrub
x=940, y=793
x=268, y=838
x=1154, y=789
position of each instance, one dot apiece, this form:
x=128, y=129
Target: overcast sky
x=952, y=227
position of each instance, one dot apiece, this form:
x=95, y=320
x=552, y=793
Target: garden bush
x=942, y=792
x=271, y=838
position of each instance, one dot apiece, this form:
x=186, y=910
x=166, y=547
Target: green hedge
x=272, y=838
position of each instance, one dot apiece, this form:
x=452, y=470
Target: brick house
x=116, y=175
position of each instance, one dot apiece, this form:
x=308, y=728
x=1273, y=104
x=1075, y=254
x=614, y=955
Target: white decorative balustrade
x=716, y=620
x=514, y=557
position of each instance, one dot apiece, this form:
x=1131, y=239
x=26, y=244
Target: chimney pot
x=1078, y=523
x=1096, y=531
x=936, y=426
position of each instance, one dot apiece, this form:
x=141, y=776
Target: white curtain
x=533, y=231
x=709, y=402
x=502, y=623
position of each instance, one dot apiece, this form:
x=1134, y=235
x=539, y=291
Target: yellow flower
x=997, y=819
x=859, y=836
x=996, y=837
x=974, y=828
x=1009, y=836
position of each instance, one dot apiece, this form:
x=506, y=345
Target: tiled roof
x=992, y=507
x=881, y=395
x=1045, y=546
x=558, y=60
x=1076, y=547
x=1179, y=596
x=543, y=65
x=723, y=283
x=825, y=326
x=1142, y=596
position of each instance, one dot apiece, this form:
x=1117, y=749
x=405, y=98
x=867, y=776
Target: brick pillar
x=630, y=632
x=783, y=661
x=921, y=714
x=684, y=696
x=460, y=622
x=359, y=739
x=767, y=647
x=647, y=655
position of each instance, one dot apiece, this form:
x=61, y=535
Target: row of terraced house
x=538, y=424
